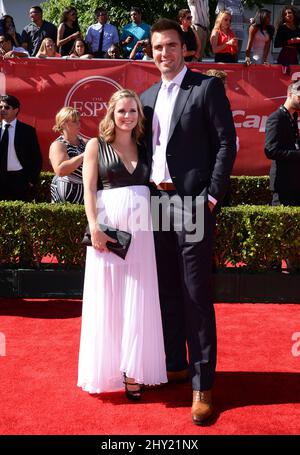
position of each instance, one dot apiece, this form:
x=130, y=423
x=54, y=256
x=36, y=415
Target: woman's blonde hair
x=64, y=115
x=107, y=125
x=220, y=17
x=43, y=49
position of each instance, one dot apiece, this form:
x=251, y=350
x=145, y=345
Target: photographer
x=142, y=50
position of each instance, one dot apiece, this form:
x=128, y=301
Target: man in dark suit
x=20, y=156
x=282, y=146
x=191, y=142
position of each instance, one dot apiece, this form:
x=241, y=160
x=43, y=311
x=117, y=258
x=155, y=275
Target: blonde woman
x=223, y=40
x=48, y=49
x=66, y=156
x=121, y=333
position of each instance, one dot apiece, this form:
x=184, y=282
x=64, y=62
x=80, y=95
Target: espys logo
x=90, y=97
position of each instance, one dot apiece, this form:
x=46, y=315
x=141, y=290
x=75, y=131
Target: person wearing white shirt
x=20, y=155
x=102, y=35
x=190, y=139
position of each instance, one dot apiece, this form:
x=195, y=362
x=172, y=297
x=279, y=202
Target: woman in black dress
x=288, y=36
x=121, y=333
x=68, y=31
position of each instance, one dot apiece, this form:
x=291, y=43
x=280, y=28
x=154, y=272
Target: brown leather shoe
x=178, y=376
x=202, y=407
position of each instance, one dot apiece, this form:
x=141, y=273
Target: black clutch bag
x=123, y=238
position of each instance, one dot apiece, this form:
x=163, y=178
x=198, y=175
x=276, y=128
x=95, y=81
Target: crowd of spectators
x=102, y=39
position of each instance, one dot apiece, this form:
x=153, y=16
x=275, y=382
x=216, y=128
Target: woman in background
x=223, y=40
x=260, y=37
x=80, y=49
x=68, y=30
x=9, y=28
x=288, y=36
x=48, y=49
x=66, y=156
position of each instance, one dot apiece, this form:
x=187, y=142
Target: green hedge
x=243, y=190
x=43, y=187
x=251, y=235
x=30, y=232
x=252, y=190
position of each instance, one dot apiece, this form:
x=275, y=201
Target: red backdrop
x=44, y=86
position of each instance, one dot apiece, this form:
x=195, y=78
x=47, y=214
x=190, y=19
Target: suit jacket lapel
x=17, y=136
x=181, y=100
x=151, y=100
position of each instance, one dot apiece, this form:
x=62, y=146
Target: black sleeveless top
x=65, y=49
x=114, y=174
x=190, y=42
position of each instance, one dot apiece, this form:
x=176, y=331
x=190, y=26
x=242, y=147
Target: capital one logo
x=296, y=345
x=2, y=344
x=90, y=97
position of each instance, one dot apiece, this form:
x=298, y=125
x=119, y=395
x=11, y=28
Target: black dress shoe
x=132, y=389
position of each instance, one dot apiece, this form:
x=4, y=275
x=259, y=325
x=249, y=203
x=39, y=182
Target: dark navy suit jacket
x=28, y=150
x=202, y=141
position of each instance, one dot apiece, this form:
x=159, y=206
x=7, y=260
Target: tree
x=119, y=10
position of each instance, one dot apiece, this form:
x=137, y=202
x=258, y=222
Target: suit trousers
x=185, y=288
x=14, y=186
x=291, y=198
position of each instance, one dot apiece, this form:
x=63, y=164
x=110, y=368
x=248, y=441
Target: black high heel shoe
x=134, y=394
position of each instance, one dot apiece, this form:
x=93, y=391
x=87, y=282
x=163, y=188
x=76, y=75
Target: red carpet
x=257, y=386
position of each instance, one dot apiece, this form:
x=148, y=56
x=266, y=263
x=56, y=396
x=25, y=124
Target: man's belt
x=164, y=186
x=201, y=26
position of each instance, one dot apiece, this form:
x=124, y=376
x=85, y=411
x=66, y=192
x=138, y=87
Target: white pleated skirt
x=121, y=329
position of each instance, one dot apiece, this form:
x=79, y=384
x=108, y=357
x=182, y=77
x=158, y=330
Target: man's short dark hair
x=162, y=25
x=99, y=9
x=137, y=9
x=38, y=9
x=11, y=101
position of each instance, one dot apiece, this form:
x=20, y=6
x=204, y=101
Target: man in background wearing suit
x=191, y=144
x=20, y=156
x=282, y=146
